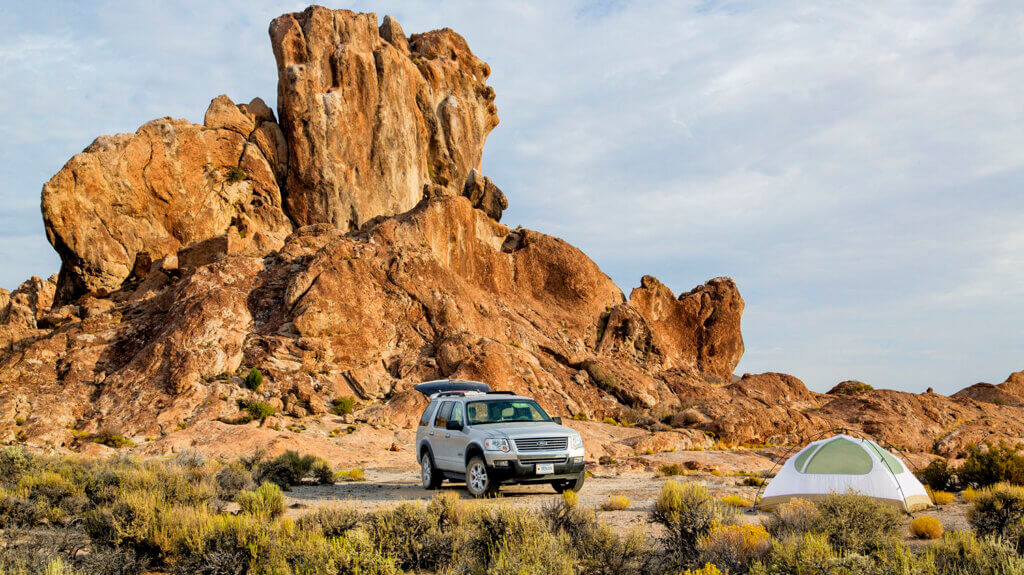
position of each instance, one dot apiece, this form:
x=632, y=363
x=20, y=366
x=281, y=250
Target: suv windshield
x=504, y=410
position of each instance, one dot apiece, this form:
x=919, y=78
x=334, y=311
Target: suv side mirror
x=557, y=420
x=453, y=425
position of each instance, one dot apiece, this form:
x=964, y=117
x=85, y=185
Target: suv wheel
x=570, y=484
x=478, y=480
x=431, y=478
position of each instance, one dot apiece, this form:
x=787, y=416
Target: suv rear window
x=425, y=418
x=503, y=410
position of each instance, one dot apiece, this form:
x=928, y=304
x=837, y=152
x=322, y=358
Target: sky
x=856, y=167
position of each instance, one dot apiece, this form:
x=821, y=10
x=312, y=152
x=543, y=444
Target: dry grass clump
x=736, y=501
x=671, y=470
x=999, y=511
x=926, y=527
x=616, y=503
x=733, y=547
x=942, y=497
x=266, y=502
x=970, y=494
x=354, y=474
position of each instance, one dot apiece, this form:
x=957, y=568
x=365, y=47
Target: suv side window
x=443, y=413
x=425, y=418
x=457, y=412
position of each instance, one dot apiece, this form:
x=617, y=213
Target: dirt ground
x=385, y=487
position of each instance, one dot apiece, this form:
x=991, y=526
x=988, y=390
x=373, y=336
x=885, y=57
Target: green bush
x=110, y=438
x=333, y=521
x=322, y=473
x=998, y=510
x=938, y=475
x=290, y=468
x=253, y=379
x=851, y=523
x=414, y=534
x=254, y=410
x=991, y=464
x=231, y=479
x=235, y=174
x=688, y=513
x=343, y=405
x=265, y=502
x=962, y=553
x=14, y=462
x=511, y=540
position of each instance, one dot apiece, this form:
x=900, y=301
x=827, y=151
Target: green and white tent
x=844, y=464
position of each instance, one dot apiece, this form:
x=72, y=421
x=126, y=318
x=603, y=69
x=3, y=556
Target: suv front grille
x=534, y=459
x=542, y=444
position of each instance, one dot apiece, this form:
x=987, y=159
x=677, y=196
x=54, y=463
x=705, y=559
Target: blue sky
x=857, y=169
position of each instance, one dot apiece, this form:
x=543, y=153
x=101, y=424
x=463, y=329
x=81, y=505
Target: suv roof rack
x=456, y=393
x=430, y=388
x=502, y=393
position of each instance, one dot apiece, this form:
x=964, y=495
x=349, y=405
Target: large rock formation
x=131, y=199
x=374, y=117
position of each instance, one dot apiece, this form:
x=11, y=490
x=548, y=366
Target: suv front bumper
x=506, y=470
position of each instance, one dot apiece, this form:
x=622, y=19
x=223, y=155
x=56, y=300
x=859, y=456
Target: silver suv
x=489, y=438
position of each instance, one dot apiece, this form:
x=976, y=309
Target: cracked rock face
x=135, y=198
x=375, y=119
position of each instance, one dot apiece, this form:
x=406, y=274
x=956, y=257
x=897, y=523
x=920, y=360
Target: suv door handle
x=431, y=433
x=447, y=435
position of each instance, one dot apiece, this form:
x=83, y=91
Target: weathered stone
x=484, y=195
x=143, y=196
x=369, y=121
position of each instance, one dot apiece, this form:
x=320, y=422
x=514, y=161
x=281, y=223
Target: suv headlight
x=496, y=445
x=576, y=442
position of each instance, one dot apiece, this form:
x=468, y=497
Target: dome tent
x=843, y=464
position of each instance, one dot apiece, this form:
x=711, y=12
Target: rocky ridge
x=350, y=246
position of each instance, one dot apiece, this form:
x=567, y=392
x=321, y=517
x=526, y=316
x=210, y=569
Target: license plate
x=545, y=468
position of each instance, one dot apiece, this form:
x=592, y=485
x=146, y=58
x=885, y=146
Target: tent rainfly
x=843, y=464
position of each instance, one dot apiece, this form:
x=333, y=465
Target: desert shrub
x=231, y=479
x=509, y=540
x=671, y=470
x=734, y=547
x=111, y=438
x=688, y=513
x=806, y=554
x=235, y=174
x=940, y=497
x=355, y=474
x=18, y=511
x=332, y=521
x=253, y=379
x=413, y=533
x=322, y=473
x=753, y=481
x=938, y=475
x=216, y=544
x=343, y=405
x=857, y=524
x=616, y=503
x=962, y=553
x=287, y=469
x=604, y=552
x=707, y=569
x=265, y=502
x=190, y=459
x=998, y=510
x=14, y=462
x=990, y=464
x=566, y=515
x=926, y=527
x=736, y=501
x=254, y=410
x=970, y=494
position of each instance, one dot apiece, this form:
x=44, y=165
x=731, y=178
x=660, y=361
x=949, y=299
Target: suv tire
x=431, y=477
x=478, y=479
x=570, y=484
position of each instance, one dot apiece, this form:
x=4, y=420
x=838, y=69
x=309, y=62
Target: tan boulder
x=372, y=117
x=484, y=195
x=134, y=198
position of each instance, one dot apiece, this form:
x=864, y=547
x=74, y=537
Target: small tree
x=254, y=379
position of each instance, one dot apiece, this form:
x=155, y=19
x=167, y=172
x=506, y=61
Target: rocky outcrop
x=374, y=119
x=1010, y=392
x=484, y=195
x=699, y=331
x=132, y=199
